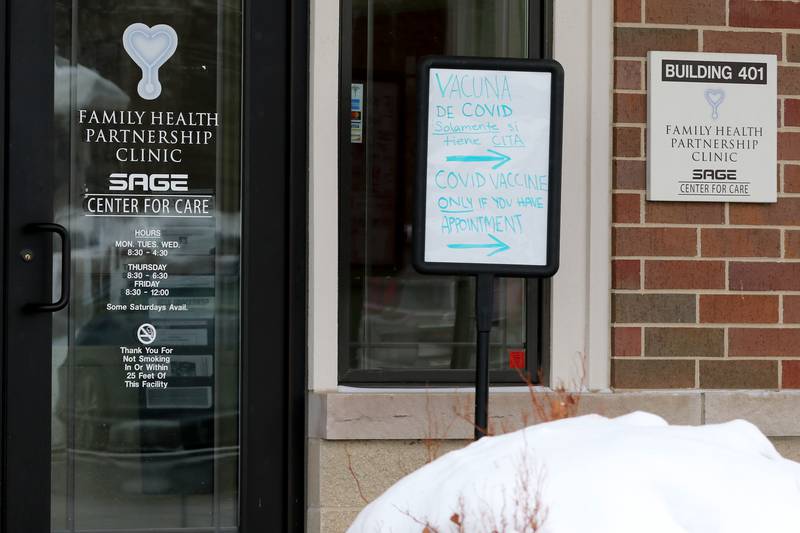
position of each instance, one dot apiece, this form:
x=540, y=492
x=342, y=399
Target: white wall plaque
x=711, y=127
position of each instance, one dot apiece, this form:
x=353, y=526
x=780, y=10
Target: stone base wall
x=341, y=472
x=334, y=500
x=362, y=443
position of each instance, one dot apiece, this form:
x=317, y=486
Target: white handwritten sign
x=487, y=175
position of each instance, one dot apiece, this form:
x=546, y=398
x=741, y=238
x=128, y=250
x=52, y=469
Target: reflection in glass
x=399, y=319
x=147, y=457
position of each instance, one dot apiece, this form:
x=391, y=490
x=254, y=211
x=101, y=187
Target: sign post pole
x=484, y=297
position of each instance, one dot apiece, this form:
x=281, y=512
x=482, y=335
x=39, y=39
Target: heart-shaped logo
x=715, y=97
x=149, y=48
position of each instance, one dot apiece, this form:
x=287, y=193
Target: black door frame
x=273, y=368
x=27, y=173
x=274, y=279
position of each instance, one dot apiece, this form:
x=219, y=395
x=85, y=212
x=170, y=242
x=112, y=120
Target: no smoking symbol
x=146, y=333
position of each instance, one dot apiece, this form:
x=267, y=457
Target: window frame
x=537, y=292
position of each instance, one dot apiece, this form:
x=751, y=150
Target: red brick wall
x=704, y=295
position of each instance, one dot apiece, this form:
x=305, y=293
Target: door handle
x=63, y=299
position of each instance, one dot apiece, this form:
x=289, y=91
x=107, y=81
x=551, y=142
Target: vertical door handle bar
x=63, y=300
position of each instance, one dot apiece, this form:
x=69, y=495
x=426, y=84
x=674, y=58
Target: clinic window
x=399, y=327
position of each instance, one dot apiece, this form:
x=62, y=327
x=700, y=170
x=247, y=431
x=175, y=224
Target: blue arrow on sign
x=502, y=159
x=497, y=246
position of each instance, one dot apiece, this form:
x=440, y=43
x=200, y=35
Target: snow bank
x=632, y=474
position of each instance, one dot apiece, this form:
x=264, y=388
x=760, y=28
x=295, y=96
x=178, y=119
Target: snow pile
x=632, y=474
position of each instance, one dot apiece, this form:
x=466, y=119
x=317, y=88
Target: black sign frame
x=554, y=177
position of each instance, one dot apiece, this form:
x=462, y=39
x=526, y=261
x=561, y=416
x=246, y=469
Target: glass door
x=145, y=368
x=149, y=287
x=152, y=192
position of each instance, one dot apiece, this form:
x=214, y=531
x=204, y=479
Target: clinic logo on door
x=149, y=48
